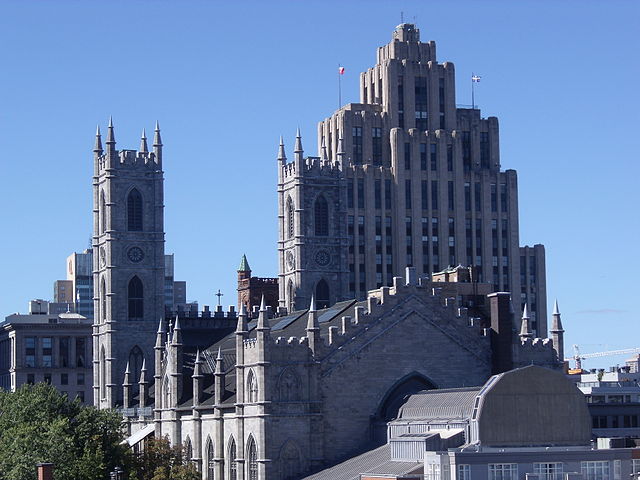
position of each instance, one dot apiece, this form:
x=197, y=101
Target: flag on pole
x=341, y=70
x=475, y=78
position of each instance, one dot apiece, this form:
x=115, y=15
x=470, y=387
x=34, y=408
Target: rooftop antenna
x=401, y=16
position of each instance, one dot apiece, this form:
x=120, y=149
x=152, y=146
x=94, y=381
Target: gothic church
x=292, y=390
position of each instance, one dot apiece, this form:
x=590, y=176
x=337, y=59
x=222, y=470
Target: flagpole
x=339, y=87
x=473, y=100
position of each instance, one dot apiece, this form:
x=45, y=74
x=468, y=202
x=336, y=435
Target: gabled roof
x=375, y=462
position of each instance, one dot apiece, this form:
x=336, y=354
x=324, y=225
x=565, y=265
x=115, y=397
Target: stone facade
x=404, y=178
x=128, y=262
x=280, y=396
x=252, y=289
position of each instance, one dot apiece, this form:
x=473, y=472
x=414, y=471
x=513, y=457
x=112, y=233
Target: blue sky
x=225, y=79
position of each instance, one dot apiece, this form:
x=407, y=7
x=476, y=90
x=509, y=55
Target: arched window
x=211, y=464
x=136, y=299
x=233, y=465
x=290, y=220
x=322, y=294
x=188, y=450
x=289, y=386
x=103, y=299
x=166, y=393
x=321, y=216
x=290, y=462
x=291, y=293
x=134, y=211
x=252, y=387
x=252, y=459
x=135, y=363
x=103, y=374
x=103, y=213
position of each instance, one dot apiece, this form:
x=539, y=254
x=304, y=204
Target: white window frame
x=503, y=471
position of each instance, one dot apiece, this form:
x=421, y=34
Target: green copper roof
x=244, y=265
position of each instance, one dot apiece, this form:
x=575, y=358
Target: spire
x=525, y=330
x=282, y=156
x=157, y=141
x=143, y=143
x=177, y=333
x=244, y=265
x=197, y=365
x=127, y=373
x=111, y=137
x=298, y=151
x=323, y=153
x=312, y=322
x=262, y=316
x=143, y=372
x=160, y=334
x=556, y=325
x=219, y=356
x=241, y=327
x=98, y=145
x=312, y=305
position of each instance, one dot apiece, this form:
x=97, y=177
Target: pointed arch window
x=322, y=294
x=135, y=363
x=103, y=300
x=252, y=387
x=134, y=211
x=188, y=449
x=103, y=373
x=211, y=464
x=136, y=299
x=290, y=220
x=103, y=213
x=290, y=462
x=233, y=464
x=252, y=459
x=291, y=293
x=321, y=216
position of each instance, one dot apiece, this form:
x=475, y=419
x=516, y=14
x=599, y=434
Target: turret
x=158, y=351
x=219, y=378
x=97, y=149
x=241, y=334
x=313, y=327
x=282, y=156
x=525, y=330
x=142, y=384
x=298, y=151
x=111, y=140
x=157, y=144
x=557, y=332
x=143, y=142
x=197, y=380
x=177, y=334
x=126, y=388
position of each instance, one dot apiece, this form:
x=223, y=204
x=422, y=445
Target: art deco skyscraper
x=404, y=178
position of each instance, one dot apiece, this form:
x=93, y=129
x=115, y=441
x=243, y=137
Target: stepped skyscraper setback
x=404, y=178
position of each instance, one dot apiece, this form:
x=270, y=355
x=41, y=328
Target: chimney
x=45, y=471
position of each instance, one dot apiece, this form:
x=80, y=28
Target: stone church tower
x=312, y=234
x=128, y=262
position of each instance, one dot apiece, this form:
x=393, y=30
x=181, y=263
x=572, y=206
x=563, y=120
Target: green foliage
x=38, y=424
x=161, y=461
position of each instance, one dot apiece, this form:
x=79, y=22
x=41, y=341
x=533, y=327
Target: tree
x=160, y=461
x=39, y=424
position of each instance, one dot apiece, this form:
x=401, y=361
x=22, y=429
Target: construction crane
x=578, y=357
